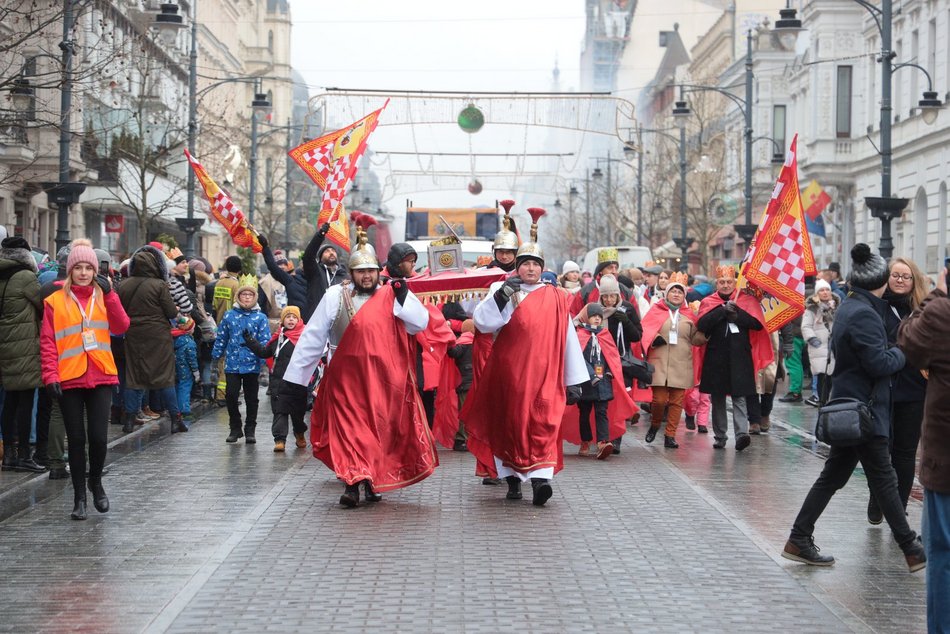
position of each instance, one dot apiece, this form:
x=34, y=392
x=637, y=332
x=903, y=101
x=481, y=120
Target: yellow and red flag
x=780, y=256
x=331, y=161
x=814, y=199
x=224, y=210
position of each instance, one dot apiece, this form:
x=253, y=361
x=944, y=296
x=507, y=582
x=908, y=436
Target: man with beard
x=515, y=418
x=321, y=271
x=375, y=438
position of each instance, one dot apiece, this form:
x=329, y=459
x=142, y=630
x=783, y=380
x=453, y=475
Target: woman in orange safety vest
x=78, y=368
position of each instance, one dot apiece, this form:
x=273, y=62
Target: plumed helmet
x=532, y=250
x=506, y=239
x=364, y=255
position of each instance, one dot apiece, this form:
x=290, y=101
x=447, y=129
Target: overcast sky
x=437, y=44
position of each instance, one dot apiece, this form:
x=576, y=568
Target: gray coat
x=21, y=310
x=149, y=347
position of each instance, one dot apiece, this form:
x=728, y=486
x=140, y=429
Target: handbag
x=844, y=422
x=635, y=369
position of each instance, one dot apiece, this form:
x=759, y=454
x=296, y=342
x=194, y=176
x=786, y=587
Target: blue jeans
x=183, y=392
x=935, y=530
x=133, y=400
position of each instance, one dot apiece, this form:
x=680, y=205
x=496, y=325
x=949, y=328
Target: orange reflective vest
x=68, y=326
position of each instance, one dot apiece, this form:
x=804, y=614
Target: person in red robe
x=515, y=412
x=738, y=346
x=376, y=438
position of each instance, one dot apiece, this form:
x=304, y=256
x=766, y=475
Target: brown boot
x=766, y=424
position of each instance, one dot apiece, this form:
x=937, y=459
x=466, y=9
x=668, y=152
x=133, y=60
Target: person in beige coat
x=669, y=334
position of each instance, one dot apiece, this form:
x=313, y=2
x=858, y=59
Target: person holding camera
x=923, y=336
x=864, y=366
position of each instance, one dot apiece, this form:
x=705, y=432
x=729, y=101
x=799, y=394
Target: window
x=843, y=103
x=932, y=47
x=778, y=127
x=270, y=41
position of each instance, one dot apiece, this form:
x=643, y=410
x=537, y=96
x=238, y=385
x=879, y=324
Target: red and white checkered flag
x=331, y=161
x=780, y=256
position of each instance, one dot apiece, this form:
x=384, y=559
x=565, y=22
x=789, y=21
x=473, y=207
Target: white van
x=471, y=251
x=630, y=257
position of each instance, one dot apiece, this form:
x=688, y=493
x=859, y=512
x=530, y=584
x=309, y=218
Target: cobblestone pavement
x=204, y=536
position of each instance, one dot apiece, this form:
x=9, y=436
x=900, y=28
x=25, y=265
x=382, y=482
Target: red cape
x=621, y=407
x=762, y=353
x=434, y=341
x=446, y=423
x=368, y=422
x=520, y=397
x=652, y=323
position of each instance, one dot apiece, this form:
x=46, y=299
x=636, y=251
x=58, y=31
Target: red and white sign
x=115, y=223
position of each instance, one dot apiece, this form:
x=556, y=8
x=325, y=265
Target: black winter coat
x=909, y=384
x=603, y=390
x=728, y=366
x=627, y=321
x=294, y=283
x=281, y=361
x=462, y=355
x=865, y=363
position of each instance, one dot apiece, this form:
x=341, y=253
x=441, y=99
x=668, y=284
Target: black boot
x=234, y=435
x=370, y=493
x=651, y=434
x=178, y=425
x=9, y=457
x=99, y=498
x=79, y=506
x=129, y=425
x=542, y=491
x=670, y=443
x=117, y=416
x=351, y=496
x=514, y=487
x=249, y=437
x=26, y=463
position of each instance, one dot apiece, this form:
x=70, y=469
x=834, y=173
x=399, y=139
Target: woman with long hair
x=906, y=289
x=78, y=368
x=816, y=331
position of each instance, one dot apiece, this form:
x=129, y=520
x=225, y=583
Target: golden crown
x=679, y=278
x=249, y=281
x=725, y=271
x=608, y=254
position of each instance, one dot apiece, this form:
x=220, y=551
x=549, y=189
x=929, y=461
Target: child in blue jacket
x=186, y=364
x=241, y=366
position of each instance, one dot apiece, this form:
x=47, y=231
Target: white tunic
x=489, y=319
x=313, y=340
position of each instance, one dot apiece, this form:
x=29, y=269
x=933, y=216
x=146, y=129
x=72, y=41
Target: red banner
x=115, y=223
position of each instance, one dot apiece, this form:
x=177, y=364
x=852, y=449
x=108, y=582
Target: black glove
x=732, y=311
x=55, y=391
x=623, y=318
x=573, y=394
x=291, y=398
x=262, y=239
x=104, y=284
x=401, y=289
x=248, y=338
x=324, y=228
x=511, y=286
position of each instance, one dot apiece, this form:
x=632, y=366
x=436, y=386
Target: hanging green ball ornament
x=471, y=119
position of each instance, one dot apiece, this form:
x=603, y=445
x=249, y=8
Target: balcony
x=15, y=143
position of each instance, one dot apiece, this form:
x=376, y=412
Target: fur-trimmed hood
x=148, y=261
x=17, y=258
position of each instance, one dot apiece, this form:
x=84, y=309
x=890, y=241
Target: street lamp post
x=680, y=113
x=64, y=193
x=884, y=207
x=259, y=106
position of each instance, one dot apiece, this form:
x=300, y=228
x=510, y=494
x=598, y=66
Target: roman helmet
x=506, y=239
x=532, y=250
x=363, y=256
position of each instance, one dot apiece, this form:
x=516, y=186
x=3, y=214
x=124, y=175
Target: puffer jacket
x=21, y=310
x=238, y=358
x=816, y=323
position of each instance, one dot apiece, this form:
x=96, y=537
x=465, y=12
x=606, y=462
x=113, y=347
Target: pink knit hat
x=81, y=251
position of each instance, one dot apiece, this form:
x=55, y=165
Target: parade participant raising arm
x=517, y=405
x=367, y=425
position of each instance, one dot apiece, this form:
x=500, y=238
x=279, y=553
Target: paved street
x=204, y=536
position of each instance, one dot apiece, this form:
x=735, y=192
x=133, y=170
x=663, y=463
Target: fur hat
x=81, y=251
x=233, y=264
x=608, y=285
x=15, y=242
x=595, y=309
x=570, y=266
x=289, y=310
x=868, y=269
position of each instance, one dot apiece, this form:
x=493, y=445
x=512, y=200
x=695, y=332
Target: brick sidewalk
x=213, y=537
